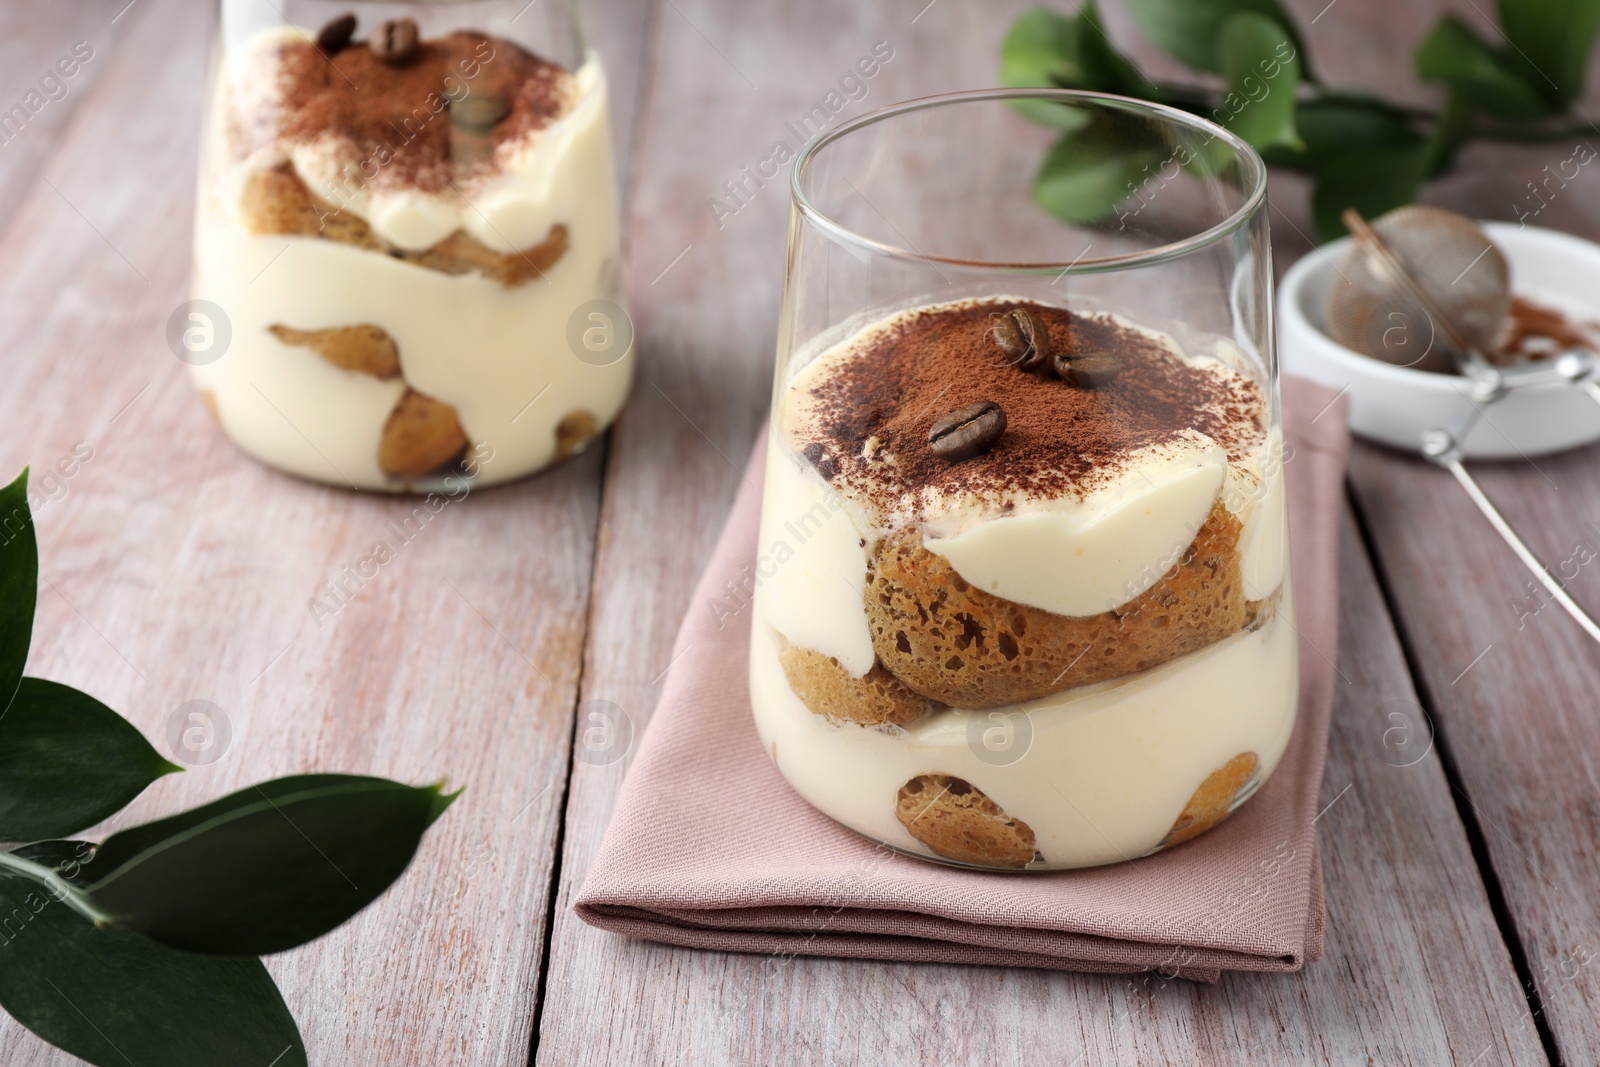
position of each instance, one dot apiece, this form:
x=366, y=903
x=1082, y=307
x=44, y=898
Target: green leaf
x=63, y=857
x=1046, y=50
x=113, y=997
x=1261, y=65
x=1455, y=55
x=1191, y=30
x=19, y=584
x=1041, y=52
x=67, y=761
x=1452, y=129
x=1106, y=69
x=1550, y=42
x=266, y=868
x=1372, y=182
x=1332, y=127
x=1087, y=173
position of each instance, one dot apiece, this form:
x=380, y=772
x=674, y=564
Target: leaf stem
x=1203, y=101
x=1576, y=126
x=60, y=888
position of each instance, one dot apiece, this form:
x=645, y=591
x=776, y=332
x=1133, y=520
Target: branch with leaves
x=1361, y=151
x=144, y=948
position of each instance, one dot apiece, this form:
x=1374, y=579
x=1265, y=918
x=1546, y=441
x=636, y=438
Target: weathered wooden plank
x=1408, y=914
x=175, y=569
x=1511, y=682
x=705, y=302
x=1518, y=723
x=51, y=56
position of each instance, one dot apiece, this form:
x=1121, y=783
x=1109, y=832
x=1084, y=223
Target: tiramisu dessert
x=415, y=243
x=1022, y=583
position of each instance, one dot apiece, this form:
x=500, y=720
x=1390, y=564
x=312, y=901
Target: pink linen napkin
x=710, y=848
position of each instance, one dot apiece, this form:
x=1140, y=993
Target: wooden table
x=1462, y=923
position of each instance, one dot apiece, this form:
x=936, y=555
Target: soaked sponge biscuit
x=825, y=687
x=574, y=432
x=1215, y=799
x=364, y=348
x=209, y=399
x=956, y=820
x=422, y=435
x=968, y=648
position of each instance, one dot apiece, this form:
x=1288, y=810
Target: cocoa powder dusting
x=1533, y=331
x=395, y=120
x=1058, y=439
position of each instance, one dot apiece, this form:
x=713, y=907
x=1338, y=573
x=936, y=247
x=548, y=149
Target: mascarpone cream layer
x=1107, y=771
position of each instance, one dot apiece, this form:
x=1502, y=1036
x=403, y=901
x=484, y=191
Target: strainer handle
x=1580, y=366
x=1440, y=447
x=1593, y=389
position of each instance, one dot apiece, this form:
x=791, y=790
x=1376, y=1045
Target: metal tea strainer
x=1423, y=266
x=1448, y=258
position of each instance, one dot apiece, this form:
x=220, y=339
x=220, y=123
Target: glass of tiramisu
x=406, y=248
x=1023, y=593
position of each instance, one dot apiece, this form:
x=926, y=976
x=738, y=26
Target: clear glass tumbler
x=406, y=248
x=1023, y=570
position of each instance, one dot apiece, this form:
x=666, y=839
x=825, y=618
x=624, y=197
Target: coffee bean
x=1023, y=337
x=395, y=42
x=1008, y=337
x=336, y=34
x=1088, y=370
x=1036, y=334
x=479, y=111
x=965, y=433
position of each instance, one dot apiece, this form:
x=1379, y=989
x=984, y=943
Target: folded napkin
x=710, y=848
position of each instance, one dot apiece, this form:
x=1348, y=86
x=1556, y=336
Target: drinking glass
x=406, y=270
x=1023, y=594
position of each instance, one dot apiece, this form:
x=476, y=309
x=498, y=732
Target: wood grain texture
x=1510, y=683
x=1416, y=971
x=1520, y=724
x=79, y=36
x=705, y=302
x=174, y=569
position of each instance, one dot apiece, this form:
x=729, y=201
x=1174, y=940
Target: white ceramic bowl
x=1396, y=406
